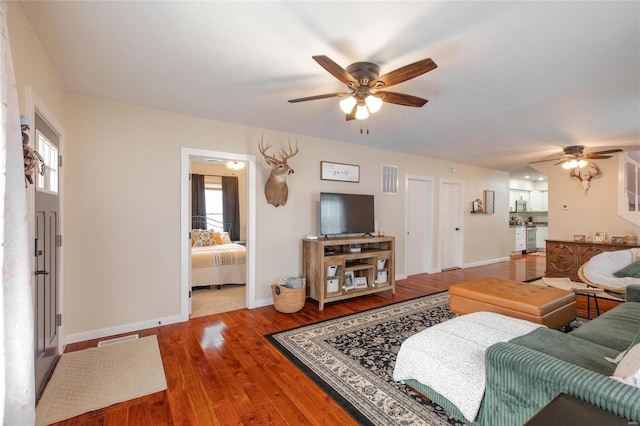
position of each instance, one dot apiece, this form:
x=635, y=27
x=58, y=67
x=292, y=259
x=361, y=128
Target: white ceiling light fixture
x=573, y=163
x=347, y=104
x=235, y=165
x=370, y=105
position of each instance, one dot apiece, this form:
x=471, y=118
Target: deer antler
x=592, y=175
x=271, y=159
x=585, y=181
x=573, y=174
x=286, y=155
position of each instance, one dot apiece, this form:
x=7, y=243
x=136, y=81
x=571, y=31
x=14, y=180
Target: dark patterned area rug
x=352, y=358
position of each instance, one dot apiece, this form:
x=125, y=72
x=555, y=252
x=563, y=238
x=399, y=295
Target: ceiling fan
x=574, y=156
x=366, y=85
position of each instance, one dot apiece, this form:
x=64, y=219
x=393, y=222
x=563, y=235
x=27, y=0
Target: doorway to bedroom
x=218, y=206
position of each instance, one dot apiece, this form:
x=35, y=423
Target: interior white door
x=46, y=292
x=418, y=241
x=450, y=225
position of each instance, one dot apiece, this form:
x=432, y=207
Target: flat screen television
x=346, y=214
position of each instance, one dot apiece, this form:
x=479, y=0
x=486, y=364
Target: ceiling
x=516, y=81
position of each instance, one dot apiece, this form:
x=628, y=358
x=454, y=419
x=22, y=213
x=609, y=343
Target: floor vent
x=389, y=179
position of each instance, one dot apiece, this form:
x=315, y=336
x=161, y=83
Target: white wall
x=122, y=195
x=595, y=210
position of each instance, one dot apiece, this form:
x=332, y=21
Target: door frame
x=428, y=218
x=442, y=212
x=34, y=103
x=185, y=223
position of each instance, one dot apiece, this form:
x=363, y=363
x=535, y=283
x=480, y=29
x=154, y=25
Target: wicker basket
x=288, y=300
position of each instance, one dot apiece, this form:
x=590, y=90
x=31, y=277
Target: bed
x=216, y=260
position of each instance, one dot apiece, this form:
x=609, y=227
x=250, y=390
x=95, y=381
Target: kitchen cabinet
x=518, y=195
x=541, y=237
x=536, y=201
x=518, y=239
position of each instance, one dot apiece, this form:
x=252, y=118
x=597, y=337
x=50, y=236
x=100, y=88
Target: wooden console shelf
x=564, y=258
x=372, y=268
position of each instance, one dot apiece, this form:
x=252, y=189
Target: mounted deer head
x=591, y=171
x=276, y=190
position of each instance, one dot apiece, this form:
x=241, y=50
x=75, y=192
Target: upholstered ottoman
x=552, y=307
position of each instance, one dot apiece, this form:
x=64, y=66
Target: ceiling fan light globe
x=373, y=103
x=570, y=164
x=361, y=112
x=347, y=104
x=582, y=163
x=235, y=165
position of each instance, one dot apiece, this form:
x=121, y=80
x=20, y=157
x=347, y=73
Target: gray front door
x=46, y=253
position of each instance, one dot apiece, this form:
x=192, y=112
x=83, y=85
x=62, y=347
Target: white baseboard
x=485, y=262
x=125, y=328
x=263, y=302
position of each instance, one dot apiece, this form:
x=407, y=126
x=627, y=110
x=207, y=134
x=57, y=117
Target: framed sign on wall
x=339, y=171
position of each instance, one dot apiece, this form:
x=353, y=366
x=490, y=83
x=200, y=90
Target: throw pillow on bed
x=222, y=238
x=202, y=238
x=632, y=270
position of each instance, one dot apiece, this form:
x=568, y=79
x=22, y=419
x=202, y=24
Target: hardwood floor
x=221, y=370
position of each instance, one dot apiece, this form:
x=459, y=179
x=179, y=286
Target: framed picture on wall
x=339, y=171
x=598, y=236
x=579, y=238
x=489, y=201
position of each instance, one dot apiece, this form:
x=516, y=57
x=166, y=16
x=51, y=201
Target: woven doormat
x=95, y=378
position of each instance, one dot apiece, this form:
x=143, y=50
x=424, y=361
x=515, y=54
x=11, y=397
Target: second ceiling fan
x=366, y=86
x=574, y=156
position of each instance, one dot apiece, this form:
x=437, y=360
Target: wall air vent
x=389, y=179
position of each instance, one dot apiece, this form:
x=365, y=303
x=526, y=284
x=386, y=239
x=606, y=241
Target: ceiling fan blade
x=596, y=157
x=405, y=73
x=550, y=159
x=335, y=70
x=352, y=114
x=609, y=151
x=313, y=98
x=401, y=99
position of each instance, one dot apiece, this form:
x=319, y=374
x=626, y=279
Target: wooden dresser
x=564, y=258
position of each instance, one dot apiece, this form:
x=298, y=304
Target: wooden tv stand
x=373, y=267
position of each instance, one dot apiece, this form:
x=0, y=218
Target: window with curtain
x=213, y=200
x=216, y=199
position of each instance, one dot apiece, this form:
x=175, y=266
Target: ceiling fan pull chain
x=362, y=128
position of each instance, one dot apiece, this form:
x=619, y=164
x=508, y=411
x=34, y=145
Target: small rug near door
x=209, y=301
x=352, y=359
x=95, y=378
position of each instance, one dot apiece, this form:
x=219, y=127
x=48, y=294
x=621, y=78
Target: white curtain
x=17, y=387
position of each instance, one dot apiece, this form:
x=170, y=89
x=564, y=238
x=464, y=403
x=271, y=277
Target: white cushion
x=600, y=268
x=628, y=369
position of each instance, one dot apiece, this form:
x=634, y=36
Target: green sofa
x=526, y=373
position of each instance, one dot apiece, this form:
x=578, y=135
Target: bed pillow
x=632, y=270
x=222, y=238
x=628, y=370
x=202, y=238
